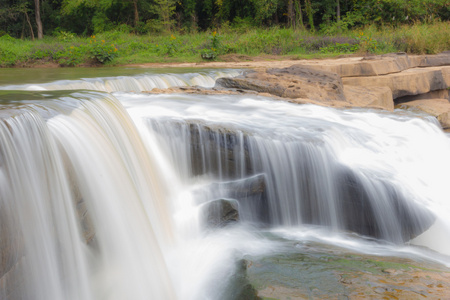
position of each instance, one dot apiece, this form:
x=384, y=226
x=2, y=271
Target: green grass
x=118, y=48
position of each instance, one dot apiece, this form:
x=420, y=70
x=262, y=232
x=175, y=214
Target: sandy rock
x=410, y=82
x=294, y=82
x=440, y=108
x=441, y=59
x=439, y=94
x=371, y=97
x=371, y=65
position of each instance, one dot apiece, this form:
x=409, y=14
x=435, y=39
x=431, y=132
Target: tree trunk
x=291, y=21
x=37, y=10
x=309, y=12
x=299, y=14
x=29, y=24
x=338, y=11
x=136, y=13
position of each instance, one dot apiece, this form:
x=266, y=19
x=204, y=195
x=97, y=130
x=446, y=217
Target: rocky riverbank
x=419, y=82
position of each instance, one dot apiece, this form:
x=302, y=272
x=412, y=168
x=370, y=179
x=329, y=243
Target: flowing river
x=108, y=192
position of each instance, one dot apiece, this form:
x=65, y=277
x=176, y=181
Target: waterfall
x=109, y=193
x=80, y=191
x=320, y=166
x=135, y=83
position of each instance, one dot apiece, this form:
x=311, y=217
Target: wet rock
x=11, y=254
x=252, y=196
x=87, y=226
x=219, y=151
x=221, y=212
x=396, y=219
x=239, y=287
x=326, y=272
x=12, y=283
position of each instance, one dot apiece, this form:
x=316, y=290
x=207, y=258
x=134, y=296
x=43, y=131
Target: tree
x=264, y=9
x=166, y=9
x=136, y=12
x=299, y=14
x=37, y=14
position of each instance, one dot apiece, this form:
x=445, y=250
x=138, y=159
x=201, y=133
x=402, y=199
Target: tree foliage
x=29, y=18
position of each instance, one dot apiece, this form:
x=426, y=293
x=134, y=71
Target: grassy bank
x=116, y=47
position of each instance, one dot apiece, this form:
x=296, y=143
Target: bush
x=101, y=51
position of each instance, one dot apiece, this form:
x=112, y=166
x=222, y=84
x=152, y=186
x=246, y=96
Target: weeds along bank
x=117, y=47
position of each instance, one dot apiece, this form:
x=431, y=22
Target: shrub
x=340, y=48
x=71, y=56
x=101, y=51
x=214, y=47
x=366, y=42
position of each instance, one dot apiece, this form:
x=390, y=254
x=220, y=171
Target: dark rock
x=384, y=213
x=219, y=151
x=221, y=212
x=250, y=192
x=239, y=287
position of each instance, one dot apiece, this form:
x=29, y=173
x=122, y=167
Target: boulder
x=250, y=192
x=439, y=108
x=220, y=212
x=361, y=212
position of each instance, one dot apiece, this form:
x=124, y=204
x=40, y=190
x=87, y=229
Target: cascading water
x=109, y=196
x=133, y=83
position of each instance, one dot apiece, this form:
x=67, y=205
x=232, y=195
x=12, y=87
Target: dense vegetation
x=74, y=32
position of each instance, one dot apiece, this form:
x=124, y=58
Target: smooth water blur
x=129, y=80
x=306, y=154
x=105, y=193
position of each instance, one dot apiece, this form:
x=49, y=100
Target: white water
x=136, y=83
x=128, y=159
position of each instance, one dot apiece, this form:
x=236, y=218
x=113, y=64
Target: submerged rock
x=317, y=271
x=379, y=210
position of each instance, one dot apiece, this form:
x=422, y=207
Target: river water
x=106, y=191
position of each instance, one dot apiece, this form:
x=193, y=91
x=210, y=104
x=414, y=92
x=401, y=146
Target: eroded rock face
x=297, y=81
x=373, y=97
x=439, y=108
x=409, y=82
x=370, y=65
x=438, y=94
